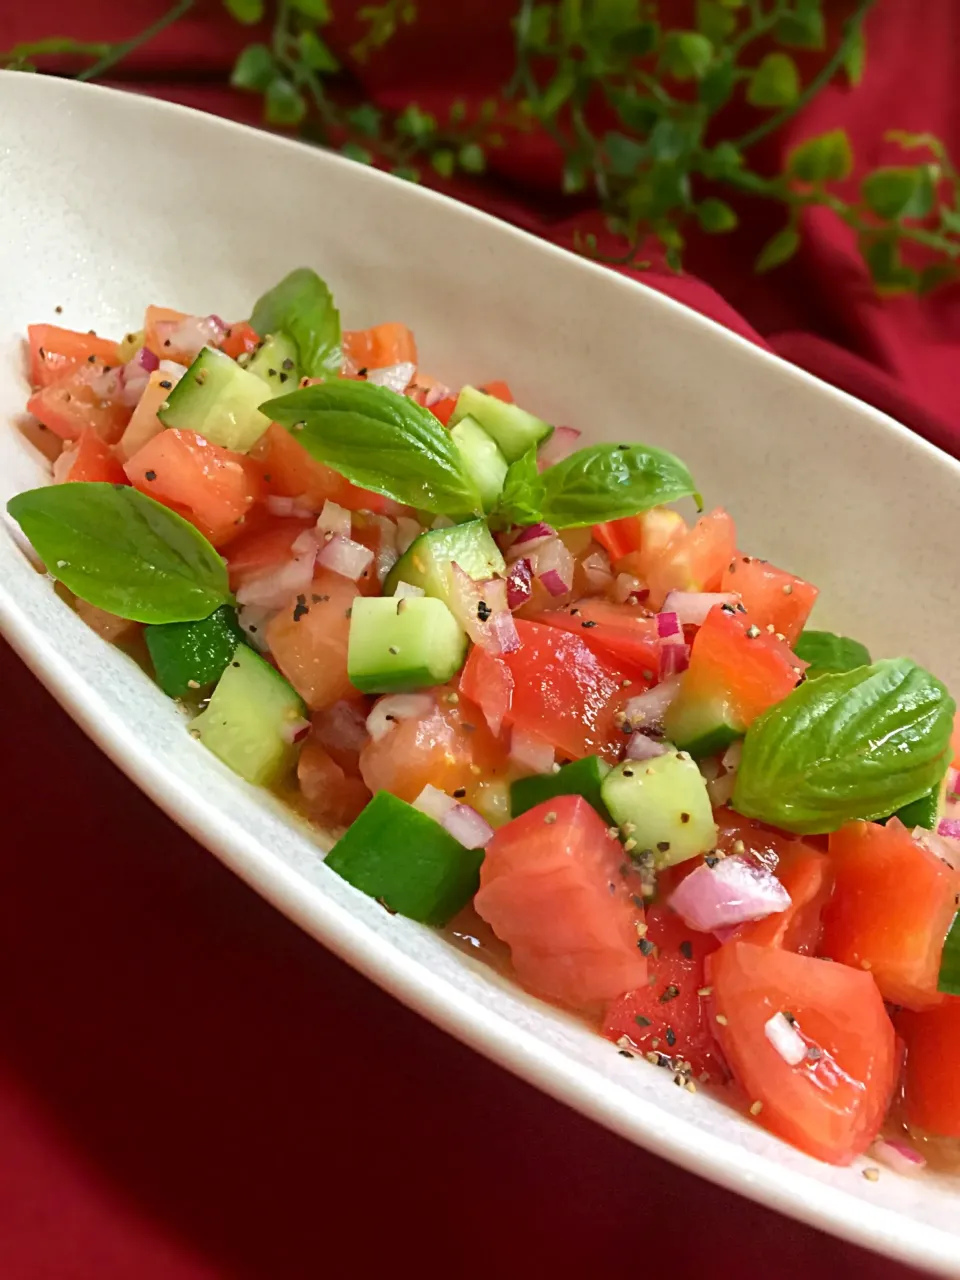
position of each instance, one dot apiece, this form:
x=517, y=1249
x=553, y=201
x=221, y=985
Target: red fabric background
x=189, y=1087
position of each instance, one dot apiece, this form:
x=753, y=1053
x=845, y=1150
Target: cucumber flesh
x=397, y=645
x=426, y=561
x=275, y=362
x=246, y=723
x=701, y=726
x=580, y=778
x=407, y=861
x=482, y=460
x=514, y=430
x=663, y=805
x=218, y=400
x=191, y=656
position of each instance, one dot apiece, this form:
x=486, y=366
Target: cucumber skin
x=581, y=778
x=197, y=652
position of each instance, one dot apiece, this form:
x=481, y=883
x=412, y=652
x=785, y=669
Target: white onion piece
x=627, y=587
x=647, y=709
x=947, y=850
x=334, y=519
x=278, y=505
x=405, y=590
x=692, y=607
x=530, y=750
x=277, y=587
x=731, y=892
x=62, y=464
x=407, y=533
x=560, y=445
x=720, y=789
x=395, y=377
x=397, y=706
x=732, y=756
x=134, y=376
x=467, y=827
x=172, y=370
x=305, y=542
x=387, y=553
x=346, y=557
x=786, y=1039
x=253, y=619
x=674, y=658
x=481, y=609
x=434, y=803
x=554, y=567
x=640, y=747
x=190, y=335
x=294, y=730
x=435, y=394
x=899, y=1156
x=597, y=571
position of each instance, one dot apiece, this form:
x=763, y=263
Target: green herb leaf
x=624, y=154
x=557, y=92
x=471, y=158
x=827, y=652
x=686, y=55
x=803, y=29
x=716, y=87
x=855, y=58
x=381, y=441
x=638, y=40
x=775, y=82
x=521, y=499
x=254, y=69
x=318, y=10
x=715, y=21
x=444, y=162
x=900, y=191
x=608, y=481
x=826, y=158
x=316, y=53
x=301, y=305
x=715, y=215
x=121, y=551
x=950, y=219
x=949, y=979
x=246, y=11
x=890, y=273
x=362, y=155
x=416, y=124
x=855, y=744
x=778, y=249
x=365, y=119
x=284, y=103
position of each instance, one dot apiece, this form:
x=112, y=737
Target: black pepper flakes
x=166, y=384
x=684, y=817
x=150, y=475
x=641, y=1021
x=686, y=949
x=670, y=993
x=663, y=846
x=647, y=947
x=483, y=611
x=588, y=624
x=287, y=364
x=459, y=793
x=670, y=1036
x=300, y=608
x=91, y=359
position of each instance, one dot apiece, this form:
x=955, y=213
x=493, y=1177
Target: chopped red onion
x=731, y=892
x=467, y=826
x=294, y=730
x=786, y=1039
x=397, y=706
x=405, y=590
x=305, y=541
x=953, y=775
x=346, y=557
x=560, y=445
x=674, y=658
x=942, y=847
x=597, y=571
x=253, y=619
x=278, y=505
x=692, y=607
x=395, y=377
x=949, y=828
x=334, y=519
x=191, y=334
x=434, y=803
x=720, y=789
x=554, y=567
x=899, y=1156
x=503, y=629
x=640, y=747
x=387, y=553
x=531, y=751
x=519, y=583
x=407, y=533
x=342, y=724
x=496, y=694
x=628, y=589
x=646, y=710
x=278, y=586
x=481, y=609
x=668, y=625
x=534, y=533
x=135, y=374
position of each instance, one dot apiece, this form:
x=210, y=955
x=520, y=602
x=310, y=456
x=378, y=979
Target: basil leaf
x=521, y=498
x=301, y=306
x=949, y=979
x=852, y=744
x=828, y=652
x=608, y=481
x=121, y=551
x=381, y=441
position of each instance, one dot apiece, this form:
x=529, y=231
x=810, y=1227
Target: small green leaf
x=408, y=172
x=557, y=92
x=724, y=159
x=354, y=151
x=803, y=29
x=574, y=174
x=521, y=499
x=825, y=158
x=537, y=31
x=778, y=249
x=285, y=104
x=302, y=306
x=716, y=87
x=608, y=481
x=121, y=551
x=624, y=155
x=315, y=53
x=715, y=215
x=318, y=10
x=365, y=119
x=856, y=744
x=775, y=82
x=686, y=55
x=254, y=69
x=889, y=272
x=380, y=441
x=715, y=21
x=948, y=980
x=246, y=11
x=950, y=219
x=471, y=158
x=637, y=41
x=828, y=652
x=444, y=162
x=670, y=140
x=416, y=124
x=900, y=192
x=637, y=113
x=855, y=58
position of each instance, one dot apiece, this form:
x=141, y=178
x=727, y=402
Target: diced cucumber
x=191, y=656
x=399, y=644
x=407, y=861
x=663, y=806
x=581, y=778
x=924, y=812
x=218, y=400
x=426, y=561
x=482, y=459
x=275, y=362
x=245, y=721
x=701, y=726
x=514, y=430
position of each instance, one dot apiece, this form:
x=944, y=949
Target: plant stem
x=826, y=73
x=119, y=51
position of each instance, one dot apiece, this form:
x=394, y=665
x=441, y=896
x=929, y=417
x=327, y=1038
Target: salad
x=531, y=698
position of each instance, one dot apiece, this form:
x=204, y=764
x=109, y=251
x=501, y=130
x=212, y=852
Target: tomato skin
x=562, y=691
x=623, y=633
x=55, y=352
x=379, y=346
x=498, y=389
x=214, y=488
x=76, y=401
x=333, y=798
x=311, y=648
x=545, y=890
x=831, y=1107
x=752, y=671
x=695, y=560
x=686, y=1017
x=290, y=472
x=619, y=538
x=891, y=910
x=444, y=408
x=772, y=596
x=94, y=460
x=240, y=338
x=931, y=1081
x=264, y=547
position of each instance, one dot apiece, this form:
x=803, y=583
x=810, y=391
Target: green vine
x=660, y=165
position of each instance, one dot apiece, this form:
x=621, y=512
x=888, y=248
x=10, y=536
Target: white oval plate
x=112, y=201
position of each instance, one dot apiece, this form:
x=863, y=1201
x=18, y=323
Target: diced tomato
x=55, y=352
x=891, y=910
x=214, y=488
x=623, y=632
x=695, y=560
x=333, y=798
x=379, y=346
x=240, y=338
x=450, y=747
x=832, y=1103
x=289, y=471
x=310, y=648
x=342, y=729
x=620, y=538
x=156, y=324
x=931, y=1083
x=145, y=424
x=492, y=685
x=263, y=548
x=81, y=399
x=667, y=1014
x=498, y=389
x=93, y=459
x=444, y=408
x=563, y=691
x=552, y=887
x=772, y=596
